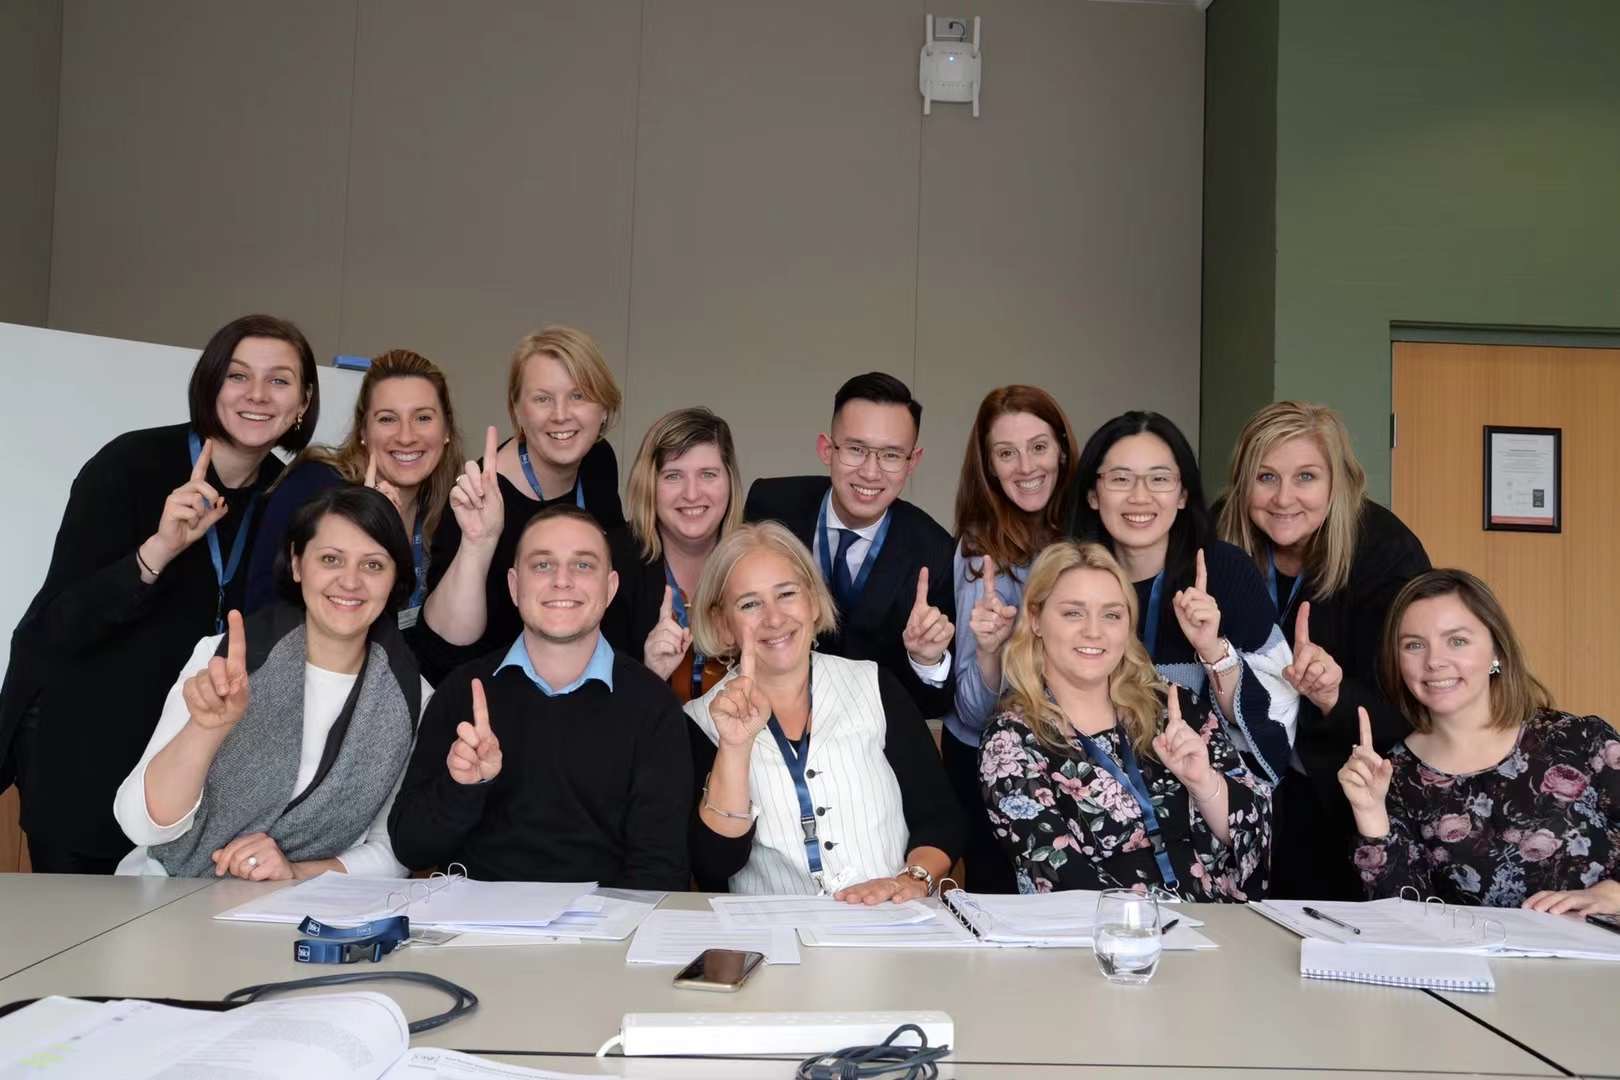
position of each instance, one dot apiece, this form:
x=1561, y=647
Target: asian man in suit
x=886, y=561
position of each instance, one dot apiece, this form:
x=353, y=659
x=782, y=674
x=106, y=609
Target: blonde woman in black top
x=1333, y=560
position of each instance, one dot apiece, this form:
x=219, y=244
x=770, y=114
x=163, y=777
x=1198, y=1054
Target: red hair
x=987, y=522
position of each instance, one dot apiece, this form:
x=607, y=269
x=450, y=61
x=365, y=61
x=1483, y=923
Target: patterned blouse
x=1068, y=824
x=1546, y=817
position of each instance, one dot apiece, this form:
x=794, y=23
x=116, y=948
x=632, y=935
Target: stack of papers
x=1395, y=923
x=444, y=903
x=678, y=937
x=1054, y=920
x=815, y=912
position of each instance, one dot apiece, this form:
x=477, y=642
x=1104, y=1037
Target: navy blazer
x=872, y=628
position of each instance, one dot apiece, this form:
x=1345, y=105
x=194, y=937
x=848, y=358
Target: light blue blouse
x=976, y=702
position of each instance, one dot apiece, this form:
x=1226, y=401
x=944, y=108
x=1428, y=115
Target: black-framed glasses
x=889, y=459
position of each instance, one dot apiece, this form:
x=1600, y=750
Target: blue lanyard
x=349, y=944
x=795, y=755
x=1131, y=780
x=1271, y=586
x=1150, y=617
x=418, y=562
x=828, y=547
x=678, y=602
x=534, y=481
x=224, y=571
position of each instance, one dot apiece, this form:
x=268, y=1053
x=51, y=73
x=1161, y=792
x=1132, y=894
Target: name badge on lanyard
x=1150, y=618
x=534, y=481
x=1130, y=778
x=829, y=545
x=223, y=571
x=794, y=755
x=678, y=606
x=1271, y=587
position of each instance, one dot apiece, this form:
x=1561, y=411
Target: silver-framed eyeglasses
x=1158, y=481
x=889, y=459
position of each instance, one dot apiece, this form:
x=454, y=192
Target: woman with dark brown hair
x=1496, y=798
x=151, y=554
x=1011, y=502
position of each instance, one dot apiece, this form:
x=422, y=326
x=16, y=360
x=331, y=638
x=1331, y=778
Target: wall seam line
x=343, y=343
x=635, y=184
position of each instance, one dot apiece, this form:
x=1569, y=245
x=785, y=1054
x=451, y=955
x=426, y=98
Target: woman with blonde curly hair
x=1097, y=775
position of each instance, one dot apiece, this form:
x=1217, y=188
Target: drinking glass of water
x=1127, y=938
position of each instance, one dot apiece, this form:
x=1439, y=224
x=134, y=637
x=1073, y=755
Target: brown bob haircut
x=215, y=363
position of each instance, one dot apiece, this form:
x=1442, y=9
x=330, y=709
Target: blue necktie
x=843, y=588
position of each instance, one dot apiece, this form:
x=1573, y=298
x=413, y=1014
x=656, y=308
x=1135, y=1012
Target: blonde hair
x=1331, y=549
x=670, y=436
x=580, y=356
x=352, y=457
x=1134, y=685
x=771, y=536
x=1516, y=694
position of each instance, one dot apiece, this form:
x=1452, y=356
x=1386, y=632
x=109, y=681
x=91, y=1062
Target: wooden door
x=1561, y=590
x=13, y=845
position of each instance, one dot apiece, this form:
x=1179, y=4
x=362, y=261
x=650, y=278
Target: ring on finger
x=252, y=861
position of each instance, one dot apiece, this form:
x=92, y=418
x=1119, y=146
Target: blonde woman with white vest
x=818, y=773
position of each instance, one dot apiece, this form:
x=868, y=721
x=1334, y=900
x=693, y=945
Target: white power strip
x=774, y=1032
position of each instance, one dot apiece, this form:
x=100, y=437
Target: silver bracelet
x=1219, y=782
x=733, y=815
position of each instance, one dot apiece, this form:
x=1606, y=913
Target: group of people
x=235, y=667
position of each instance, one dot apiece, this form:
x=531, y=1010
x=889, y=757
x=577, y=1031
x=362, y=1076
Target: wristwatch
x=919, y=873
x=1225, y=663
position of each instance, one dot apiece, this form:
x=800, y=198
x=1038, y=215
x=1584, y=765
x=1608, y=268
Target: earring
x=1496, y=667
x=299, y=422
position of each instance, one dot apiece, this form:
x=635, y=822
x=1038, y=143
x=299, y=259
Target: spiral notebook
x=1320, y=959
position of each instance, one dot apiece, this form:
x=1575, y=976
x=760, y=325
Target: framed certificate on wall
x=1523, y=479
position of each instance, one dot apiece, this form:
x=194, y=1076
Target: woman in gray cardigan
x=282, y=743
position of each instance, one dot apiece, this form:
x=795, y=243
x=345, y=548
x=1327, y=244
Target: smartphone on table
x=723, y=970
x=1608, y=922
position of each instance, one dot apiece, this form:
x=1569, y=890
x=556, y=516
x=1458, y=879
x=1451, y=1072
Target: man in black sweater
x=886, y=561
x=600, y=783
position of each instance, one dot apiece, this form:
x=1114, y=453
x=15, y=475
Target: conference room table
x=43, y=914
x=1018, y=1012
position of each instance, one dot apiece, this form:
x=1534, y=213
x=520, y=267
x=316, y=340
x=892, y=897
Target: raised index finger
x=199, y=471
x=1366, y=726
x=1175, y=707
x=745, y=665
x=480, y=710
x=987, y=577
x=371, y=470
x=666, y=610
x=1201, y=578
x=491, y=448
x=235, y=644
x=922, y=589
x=1302, y=627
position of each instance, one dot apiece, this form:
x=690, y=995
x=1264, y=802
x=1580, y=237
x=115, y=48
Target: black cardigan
x=97, y=650
x=598, y=477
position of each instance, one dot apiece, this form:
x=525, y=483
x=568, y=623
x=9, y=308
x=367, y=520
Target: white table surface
x=1243, y=1006
x=1564, y=1009
x=42, y=914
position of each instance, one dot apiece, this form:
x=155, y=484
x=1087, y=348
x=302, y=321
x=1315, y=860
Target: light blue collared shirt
x=600, y=667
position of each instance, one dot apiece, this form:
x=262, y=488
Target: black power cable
x=864, y=1062
x=465, y=1000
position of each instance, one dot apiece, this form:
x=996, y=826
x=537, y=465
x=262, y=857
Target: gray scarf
x=250, y=782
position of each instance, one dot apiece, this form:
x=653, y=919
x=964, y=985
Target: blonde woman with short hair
x=1333, y=561
x=1097, y=775
x=818, y=773
x=561, y=397
x=1497, y=797
x=684, y=494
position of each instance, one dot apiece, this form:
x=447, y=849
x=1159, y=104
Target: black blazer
x=872, y=629
x=634, y=610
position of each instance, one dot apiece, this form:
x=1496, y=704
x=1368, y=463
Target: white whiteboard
x=68, y=395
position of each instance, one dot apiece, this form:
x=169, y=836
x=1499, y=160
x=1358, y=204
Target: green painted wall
x=1240, y=194
x=1450, y=161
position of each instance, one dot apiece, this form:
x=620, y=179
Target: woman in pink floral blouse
x=1091, y=777
x=1496, y=798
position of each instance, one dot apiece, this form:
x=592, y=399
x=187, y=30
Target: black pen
x=1169, y=926
x=1313, y=913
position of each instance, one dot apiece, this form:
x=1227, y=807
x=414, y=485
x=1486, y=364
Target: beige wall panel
x=776, y=214
x=493, y=163
x=202, y=165
x=30, y=66
x=1060, y=230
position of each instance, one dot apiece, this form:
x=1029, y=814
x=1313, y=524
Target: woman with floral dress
x=1091, y=776
x=1496, y=798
